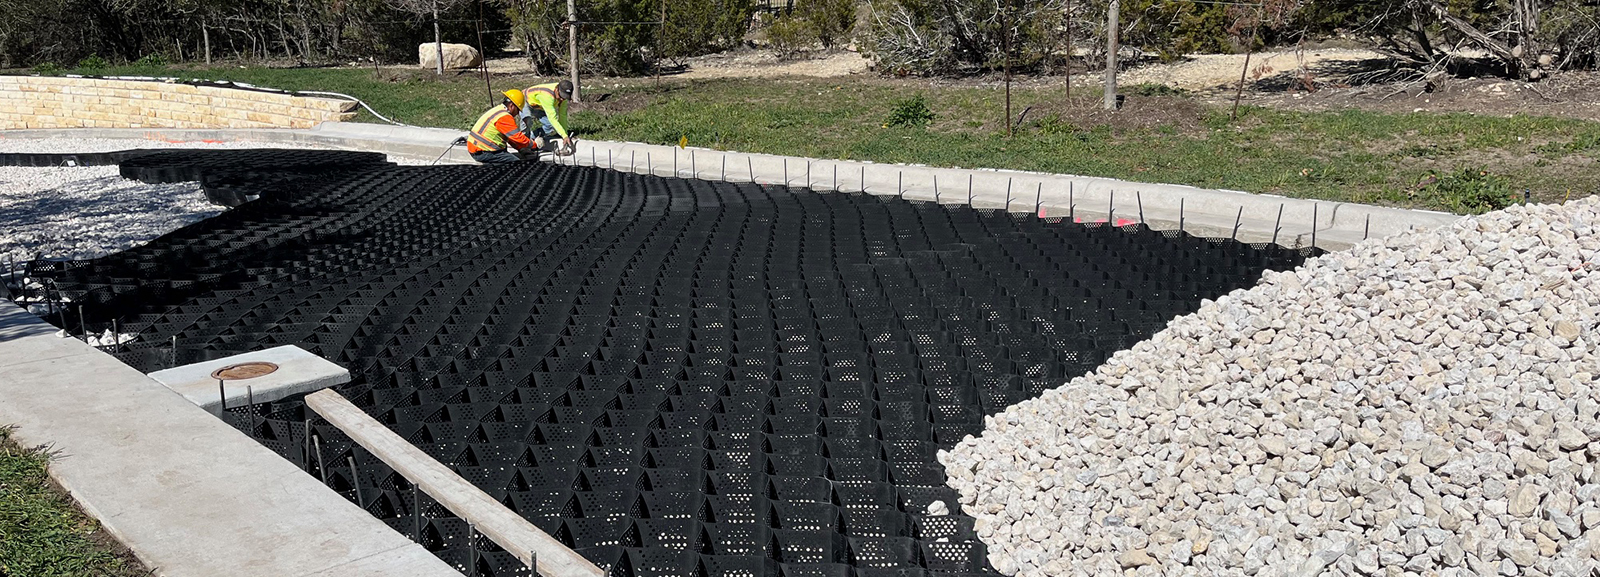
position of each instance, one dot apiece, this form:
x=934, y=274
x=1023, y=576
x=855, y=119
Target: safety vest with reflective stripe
x=489, y=133
x=542, y=101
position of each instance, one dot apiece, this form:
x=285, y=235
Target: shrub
x=696, y=27
x=789, y=36
x=829, y=20
x=93, y=62
x=909, y=112
x=151, y=61
x=47, y=68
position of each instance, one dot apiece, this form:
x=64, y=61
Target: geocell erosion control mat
x=671, y=376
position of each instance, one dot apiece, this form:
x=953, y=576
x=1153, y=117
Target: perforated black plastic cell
x=673, y=377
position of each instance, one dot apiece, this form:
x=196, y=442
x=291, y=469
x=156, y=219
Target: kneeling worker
x=545, y=116
x=497, y=129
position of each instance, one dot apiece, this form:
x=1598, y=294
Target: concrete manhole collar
x=244, y=371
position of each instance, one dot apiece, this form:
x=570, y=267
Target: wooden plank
x=501, y=525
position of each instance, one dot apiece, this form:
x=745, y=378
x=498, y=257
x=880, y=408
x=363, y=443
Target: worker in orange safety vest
x=496, y=131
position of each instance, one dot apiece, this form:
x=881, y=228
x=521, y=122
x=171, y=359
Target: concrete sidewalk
x=188, y=494
x=1205, y=212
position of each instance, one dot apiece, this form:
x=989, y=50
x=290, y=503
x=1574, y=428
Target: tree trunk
x=1111, y=54
x=1527, y=15
x=438, y=44
x=1069, y=49
x=572, y=48
x=205, y=33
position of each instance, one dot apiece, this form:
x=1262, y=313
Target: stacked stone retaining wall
x=60, y=102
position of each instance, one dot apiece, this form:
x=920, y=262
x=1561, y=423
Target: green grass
x=1351, y=155
x=41, y=533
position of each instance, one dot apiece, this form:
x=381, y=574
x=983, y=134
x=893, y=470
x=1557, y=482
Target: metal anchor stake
x=355, y=479
x=1277, y=225
x=1313, y=225
x=1236, y=223
x=321, y=468
x=1072, y=203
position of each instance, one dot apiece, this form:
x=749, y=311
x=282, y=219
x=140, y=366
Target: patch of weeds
x=1054, y=125
x=1386, y=195
x=151, y=60
x=47, y=68
x=1153, y=89
x=1582, y=143
x=909, y=112
x=1467, y=191
x=1427, y=150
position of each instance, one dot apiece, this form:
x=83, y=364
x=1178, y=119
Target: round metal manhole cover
x=243, y=371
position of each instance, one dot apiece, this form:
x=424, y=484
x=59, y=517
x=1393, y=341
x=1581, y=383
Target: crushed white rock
x=89, y=211
x=1419, y=405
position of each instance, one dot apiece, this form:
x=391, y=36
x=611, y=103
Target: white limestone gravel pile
x=1420, y=405
x=88, y=211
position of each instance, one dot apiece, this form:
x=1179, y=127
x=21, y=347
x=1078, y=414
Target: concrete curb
x=1205, y=212
x=188, y=494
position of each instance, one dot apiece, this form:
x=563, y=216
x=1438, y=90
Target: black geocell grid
x=671, y=376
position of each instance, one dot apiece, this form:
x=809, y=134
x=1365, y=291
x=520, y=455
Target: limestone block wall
x=57, y=102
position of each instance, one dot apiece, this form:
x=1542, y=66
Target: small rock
x=1522, y=553
x=1135, y=558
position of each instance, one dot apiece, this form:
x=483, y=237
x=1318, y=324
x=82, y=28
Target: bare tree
x=1529, y=38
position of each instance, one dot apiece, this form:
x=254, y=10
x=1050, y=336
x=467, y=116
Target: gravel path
x=1419, y=405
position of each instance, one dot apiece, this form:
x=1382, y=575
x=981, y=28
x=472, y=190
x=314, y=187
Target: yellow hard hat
x=516, y=97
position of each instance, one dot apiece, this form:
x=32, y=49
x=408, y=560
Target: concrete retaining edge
x=1205, y=212
x=188, y=494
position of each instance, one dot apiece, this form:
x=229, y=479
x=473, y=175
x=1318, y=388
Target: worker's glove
x=459, y=141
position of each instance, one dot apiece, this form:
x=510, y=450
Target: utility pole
x=572, y=48
x=438, y=44
x=1111, y=54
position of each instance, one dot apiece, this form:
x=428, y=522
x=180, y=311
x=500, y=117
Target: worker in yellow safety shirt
x=496, y=131
x=544, y=118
